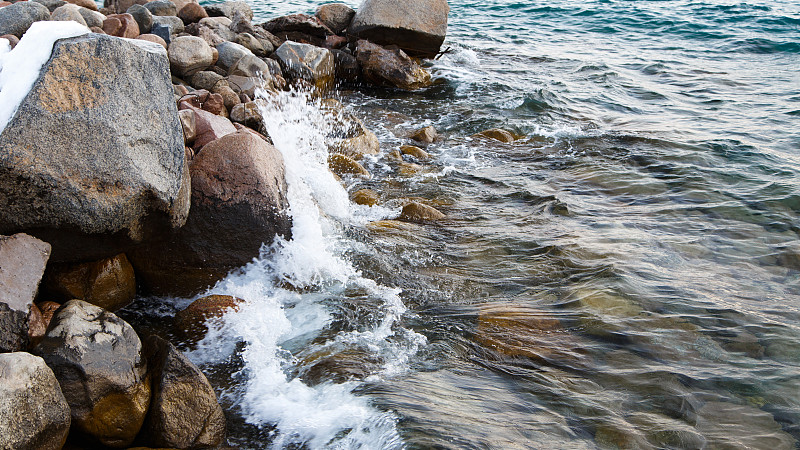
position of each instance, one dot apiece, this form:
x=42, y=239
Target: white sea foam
x=276, y=322
x=20, y=67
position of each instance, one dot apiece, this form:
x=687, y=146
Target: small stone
x=162, y=8
x=174, y=24
x=192, y=13
x=209, y=127
x=497, y=134
x=425, y=135
x=68, y=12
x=335, y=42
x=154, y=39
x=419, y=212
x=366, y=197
x=17, y=18
x=187, y=123
x=191, y=322
x=394, y=155
x=336, y=16
x=142, y=16
x=408, y=169
x=97, y=30
x=414, y=151
x=189, y=54
x=343, y=165
x=230, y=53
x=108, y=283
x=48, y=309
x=36, y=326
x=215, y=105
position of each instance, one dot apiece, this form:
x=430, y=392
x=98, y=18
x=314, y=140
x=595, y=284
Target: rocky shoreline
x=138, y=164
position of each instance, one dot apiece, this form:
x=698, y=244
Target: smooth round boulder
x=92, y=18
x=121, y=25
x=33, y=412
x=97, y=359
x=414, y=151
x=161, y=8
x=420, y=212
x=343, y=165
x=189, y=54
x=336, y=16
x=142, y=16
x=192, y=13
x=497, y=134
x=108, y=283
x=68, y=12
x=17, y=18
x=154, y=39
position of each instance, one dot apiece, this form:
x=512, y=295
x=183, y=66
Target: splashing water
x=291, y=293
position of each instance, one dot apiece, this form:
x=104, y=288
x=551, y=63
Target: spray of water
x=291, y=294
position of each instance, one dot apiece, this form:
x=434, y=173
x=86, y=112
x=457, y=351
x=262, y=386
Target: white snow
x=20, y=67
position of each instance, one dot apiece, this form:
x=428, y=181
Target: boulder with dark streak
x=417, y=26
x=390, y=66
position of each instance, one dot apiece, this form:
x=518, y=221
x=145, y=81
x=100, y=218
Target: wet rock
x=336, y=16
x=68, y=12
x=408, y=169
x=417, y=26
x=300, y=23
x=22, y=262
x=419, y=212
x=339, y=367
x=346, y=66
x=209, y=127
x=18, y=17
x=334, y=42
x=133, y=186
x=385, y=66
x=728, y=425
x=92, y=18
x=394, y=155
x=248, y=114
x=365, y=143
x=305, y=62
x=230, y=8
x=366, y=197
x=184, y=412
x=154, y=39
x=414, y=151
x=426, y=135
x=142, y=16
x=188, y=125
x=497, y=134
x=619, y=435
x=191, y=322
x=97, y=359
x=192, y=13
x=247, y=85
x=161, y=8
x=108, y=283
x=238, y=203
x=121, y=25
x=189, y=54
x=33, y=411
x=343, y=165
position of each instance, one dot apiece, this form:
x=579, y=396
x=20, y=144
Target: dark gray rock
x=255, y=45
x=336, y=16
x=82, y=179
x=97, y=359
x=238, y=203
x=162, y=8
x=301, y=23
x=68, y=12
x=390, y=67
x=51, y=4
x=250, y=66
x=142, y=16
x=162, y=31
x=22, y=262
x=175, y=24
x=92, y=18
x=230, y=53
x=175, y=419
x=306, y=62
x=347, y=67
x=417, y=26
x=17, y=18
x=229, y=9
x=33, y=412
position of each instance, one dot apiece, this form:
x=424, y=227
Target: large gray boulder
x=390, y=66
x=22, y=262
x=34, y=415
x=93, y=160
x=238, y=202
x=417, y=26
x=308, y=63
x=97, y=359
x=17, y=18
x=184, y=412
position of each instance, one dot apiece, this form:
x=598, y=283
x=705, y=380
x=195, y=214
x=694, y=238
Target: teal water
x=627, y=275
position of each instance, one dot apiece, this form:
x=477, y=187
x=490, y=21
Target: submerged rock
x=108, y=283
x=191, y=321
x=308, y=63
x=414, y=151
x=22, y=262
x=238, y=203
x=417, y=26
x=425, y=135
x=184, y=412
x=366, y=197
x=419, y=212
x=386, y=66
x=111, y=183
x=343, y=165
x=17, y=18
x=97, y=359
x=33, y=412
x=497, y=134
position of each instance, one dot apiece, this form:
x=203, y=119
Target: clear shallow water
x=625, y=276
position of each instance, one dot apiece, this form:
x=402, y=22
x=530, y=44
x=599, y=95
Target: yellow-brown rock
x=498, y=134
x=414, y=151
x=408, y=169
x=426, y=135
x=344, y=165
x=191, y=322
x=366, y=197
x=108, y=283
x=418, y=212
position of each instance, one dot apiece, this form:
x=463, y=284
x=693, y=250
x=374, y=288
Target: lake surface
x=625, y=275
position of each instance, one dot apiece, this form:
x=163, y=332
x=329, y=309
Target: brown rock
x=191, y=322
x=301, y=23
x=394, y=155
x=336, y=16
x=108, y=283
x=426, y=135
x=88, y=4
x=334, y=41
x=3, y=4
x=47, y=309
x=387, y=66
x=408, y=169
x=209, y=127
x=343, y=165
x=121, y=25
x=497, y=134
x=120, y=6
x=419, y=212
x=366, y=197
x=247, y=114
x=36, y=326
x=13, y=40
x=229, y=97
x=189, y=54
x=192, y=13
x=188, y=124
x=97, y=30
x=238, y=203
x=112, y=26
x=414, y=151
x=153, y=38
